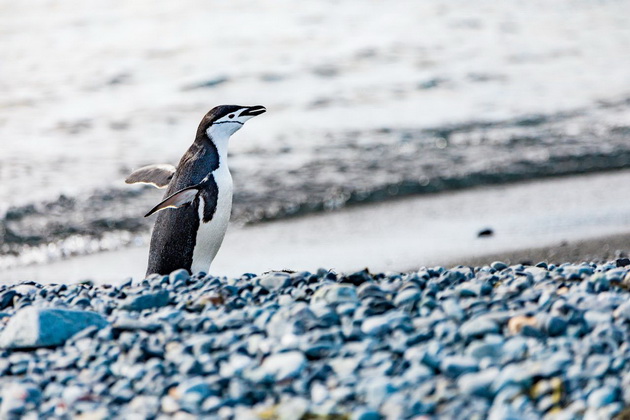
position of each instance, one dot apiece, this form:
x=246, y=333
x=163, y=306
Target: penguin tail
x=176, y=200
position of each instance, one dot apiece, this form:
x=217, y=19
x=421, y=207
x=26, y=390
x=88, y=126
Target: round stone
x=499, y=265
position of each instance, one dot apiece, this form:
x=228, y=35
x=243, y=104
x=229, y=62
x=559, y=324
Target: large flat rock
x=42, y=327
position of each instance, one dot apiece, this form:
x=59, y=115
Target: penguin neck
x=220, y=143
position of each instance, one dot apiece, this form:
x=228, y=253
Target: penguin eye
x=231, y=115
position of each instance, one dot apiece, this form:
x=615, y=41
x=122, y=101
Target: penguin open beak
x=254, y=110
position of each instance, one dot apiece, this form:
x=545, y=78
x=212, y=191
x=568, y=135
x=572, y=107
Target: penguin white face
x=228, y=119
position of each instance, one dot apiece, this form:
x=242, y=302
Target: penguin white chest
x=210, y=235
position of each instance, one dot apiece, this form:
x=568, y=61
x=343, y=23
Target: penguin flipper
x=157, y=175
x=176, y=200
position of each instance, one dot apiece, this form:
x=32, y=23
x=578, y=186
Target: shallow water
x=368, y=103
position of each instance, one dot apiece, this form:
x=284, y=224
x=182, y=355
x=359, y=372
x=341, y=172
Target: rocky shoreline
x=495, y=342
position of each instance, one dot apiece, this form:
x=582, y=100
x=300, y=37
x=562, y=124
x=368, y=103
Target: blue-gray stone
x=602, y=396
x=418, y=372
x=458, y=365
x=346, y=309
x=513, y=375
x=431, y=356
x=201, y=343
x=364, y=413
x=446, y=332
x=407, y=296
x=376, y=325
x=585, y=270
x=531, y=331
x=453, y=310
x=478, y=383
x=597, y=365
x=292, y=408
x=610, y=411
x=336, y=294
x=478, y=327
x=319, y=350
x=129, y=324
x=279, y=367
x=503, y=411
x=188, y=365
x=469, y=289
x=377, y=390
x=144, y=406
x=546, y=403
x=554, y=364
x=622, y=311
x=6, y=299
x=618, y=363
x=498, y=265
x=39, y=327
x=275, y=281
x=522, y=404
x=482, y=349
x=180, y=275
x=345, y=367
x=146, y=301
x=370, y=290
x=616, y=275
x=196, y=385
x=212, y=404
x=121, y=392
x=396, y=406
x=555, y=326
x=601, y=283
x=594, y=318
x=18, y=399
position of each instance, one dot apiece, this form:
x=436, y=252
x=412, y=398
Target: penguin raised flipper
x=157, y=175
x=175, y=201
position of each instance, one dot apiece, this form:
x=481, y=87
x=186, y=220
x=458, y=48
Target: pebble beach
x=497, y=342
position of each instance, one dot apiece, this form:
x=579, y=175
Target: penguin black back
x=175, y=232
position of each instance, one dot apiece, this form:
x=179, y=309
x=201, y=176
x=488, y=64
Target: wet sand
x=592, y=250
x=567, y=219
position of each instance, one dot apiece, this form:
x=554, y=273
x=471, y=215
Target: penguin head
x=224, y=120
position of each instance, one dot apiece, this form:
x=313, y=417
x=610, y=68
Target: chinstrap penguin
x=199, y=195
